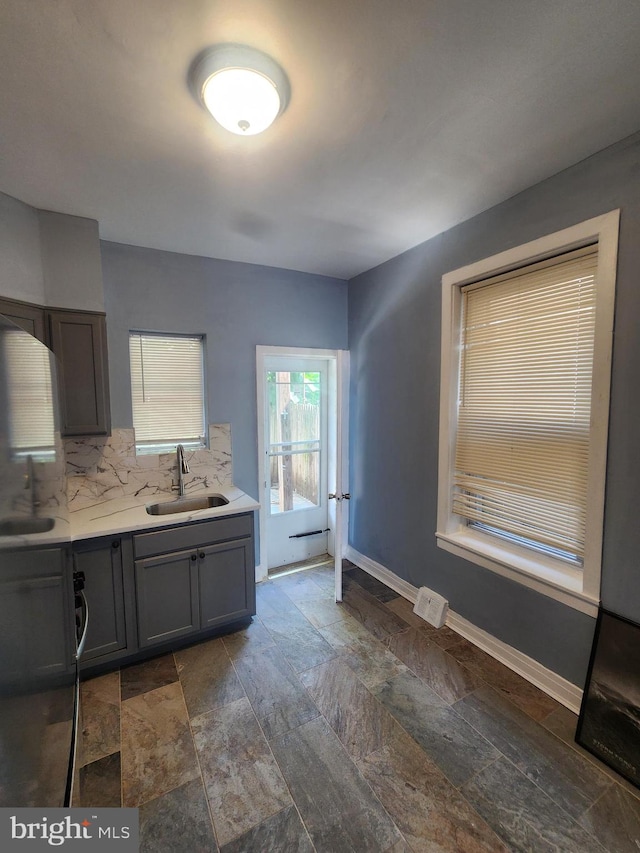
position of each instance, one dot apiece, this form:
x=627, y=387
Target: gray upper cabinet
x=80, y=342
x=31, y=318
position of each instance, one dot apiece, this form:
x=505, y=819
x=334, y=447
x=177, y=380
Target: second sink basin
x=25, y=525
x=186, y=505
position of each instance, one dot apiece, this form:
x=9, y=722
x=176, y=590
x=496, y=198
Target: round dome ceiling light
x=243, y=89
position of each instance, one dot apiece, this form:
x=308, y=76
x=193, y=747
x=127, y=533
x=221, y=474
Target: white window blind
x=167, y=390
x=32, y=423
x=522, y=443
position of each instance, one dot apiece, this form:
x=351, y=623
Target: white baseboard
x=402, y=587
x=550, y=682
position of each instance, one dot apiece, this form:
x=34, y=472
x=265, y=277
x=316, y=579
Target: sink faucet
x=30, y=485
x=183, y=468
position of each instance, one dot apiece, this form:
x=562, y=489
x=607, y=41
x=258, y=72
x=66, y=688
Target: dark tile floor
x=353, y=727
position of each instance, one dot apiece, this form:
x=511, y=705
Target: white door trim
x=341, y=409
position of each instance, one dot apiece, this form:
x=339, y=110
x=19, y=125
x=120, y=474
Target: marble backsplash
x=36, y=489
x=102, y=468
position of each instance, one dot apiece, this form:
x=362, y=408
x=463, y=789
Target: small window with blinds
x=167, y=391
x=526, y=359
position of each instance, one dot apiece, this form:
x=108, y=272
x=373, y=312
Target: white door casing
x=336, y=450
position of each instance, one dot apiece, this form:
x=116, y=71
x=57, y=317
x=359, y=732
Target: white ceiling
x=406, y=117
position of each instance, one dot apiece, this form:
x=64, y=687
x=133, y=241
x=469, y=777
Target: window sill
x=163, y=449
x=549, y=577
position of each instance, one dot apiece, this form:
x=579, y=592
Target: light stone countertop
x=128, y=514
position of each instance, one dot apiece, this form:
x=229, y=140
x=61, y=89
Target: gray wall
x=70, y=247
x=21, y=275
x=49, y=258
x=394, y=337
x=236, y=306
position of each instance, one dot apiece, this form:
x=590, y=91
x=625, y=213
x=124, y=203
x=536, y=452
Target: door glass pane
x=294, y=439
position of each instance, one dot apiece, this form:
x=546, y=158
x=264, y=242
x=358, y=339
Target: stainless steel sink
x=25, y=526
x=186, y=505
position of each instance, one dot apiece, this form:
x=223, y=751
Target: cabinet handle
x=202, y=555
x=193, y=557
x=115, y=543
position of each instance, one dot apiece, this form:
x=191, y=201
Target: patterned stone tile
x=372, y=585
x=254, y=637
x=298, y=640
x=431, y=814
x=523, y=815
x=355, y=715
x=443, y=637
x=277, y=695
x=300, y=585
x=450, y=742
x=325, y=577
x=157, y=748
x=368, y=610
x=521, y=692
x=100, y=709
x=207, y=676
x=372, y=662
x=149, y=675
x=272, y=601
x=322, y=611
x=563, y=723
x=281, y=832
x=178, y=821
x=243, y=782
x=433, y=665
x=615, y=820
x=336, y=804
x=569, y=779
x=100, y=784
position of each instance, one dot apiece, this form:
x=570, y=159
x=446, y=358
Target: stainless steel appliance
x=41, y=615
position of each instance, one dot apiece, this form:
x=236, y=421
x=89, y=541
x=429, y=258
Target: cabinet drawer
x=192, y=535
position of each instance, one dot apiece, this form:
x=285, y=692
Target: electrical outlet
x=431, y=607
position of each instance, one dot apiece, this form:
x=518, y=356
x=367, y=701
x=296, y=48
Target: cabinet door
x=36, y=606
x=28, y=317
x=227, y=591
x=104, y=590
x=80, y=343
x=167, y=597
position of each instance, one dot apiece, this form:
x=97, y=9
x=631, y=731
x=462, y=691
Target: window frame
x=558, y=579
x=169, y=446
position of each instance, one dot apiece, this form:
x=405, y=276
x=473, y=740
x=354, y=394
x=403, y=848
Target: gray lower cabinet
x=101, y=561
x=193, y=577
x=37, y=628
x=224, y=593
x=149, y=589
x=167, y=597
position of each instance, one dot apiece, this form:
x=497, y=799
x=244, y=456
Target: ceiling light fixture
x=244, y=89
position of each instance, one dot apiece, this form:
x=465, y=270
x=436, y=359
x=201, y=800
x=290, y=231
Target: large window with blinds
x=167, y=391
x=524, y=423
